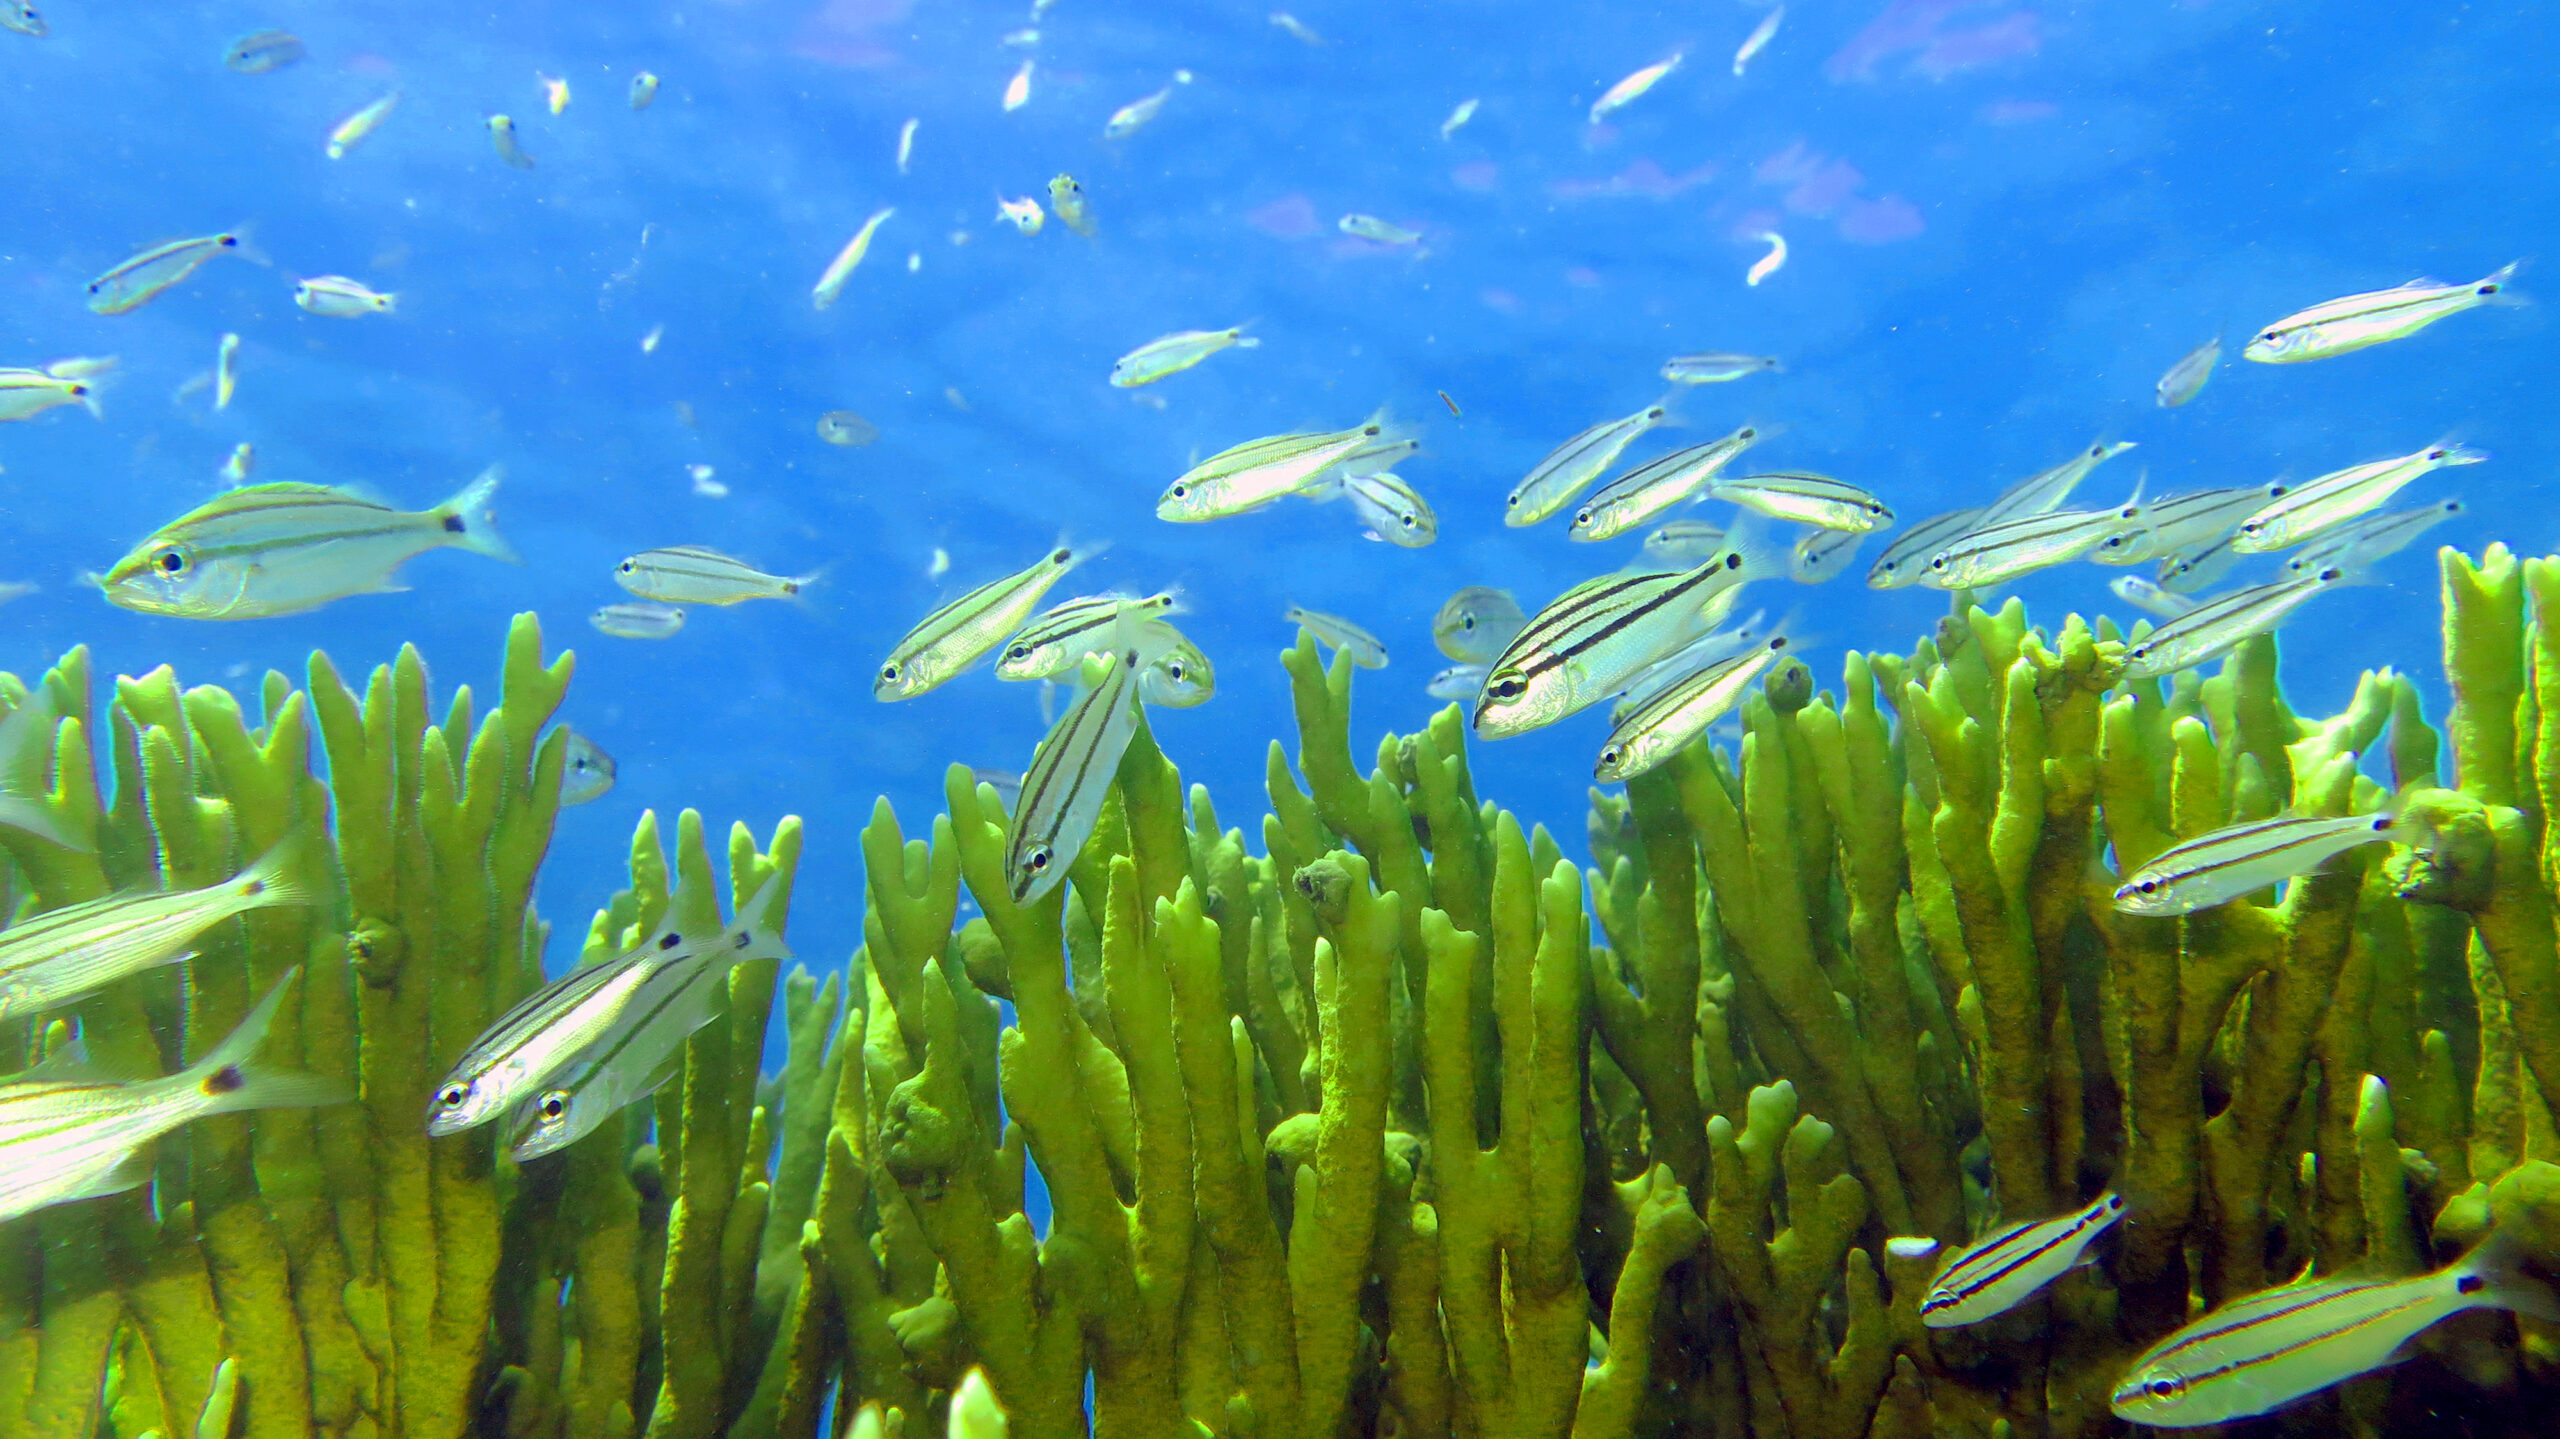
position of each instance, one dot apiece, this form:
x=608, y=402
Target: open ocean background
x=2006, y=219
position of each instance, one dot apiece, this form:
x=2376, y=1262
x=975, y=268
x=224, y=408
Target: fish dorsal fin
x=2423, y=282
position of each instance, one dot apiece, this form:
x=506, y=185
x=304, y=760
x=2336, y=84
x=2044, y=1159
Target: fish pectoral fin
x=128, y=1172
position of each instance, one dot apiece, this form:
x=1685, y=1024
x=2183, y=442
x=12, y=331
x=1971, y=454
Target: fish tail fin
x=388, y=302
x=2458, y=453
x=472, y=519
x=796, y=587
x=245, y=244
x=2498, y=1263
x=757, y=930
x=276, y=879
x=1754, y=537
x=229, y=1081
x=2499, y=288
x=1078, y=551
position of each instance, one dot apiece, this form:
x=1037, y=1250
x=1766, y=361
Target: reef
x=1403, y=1125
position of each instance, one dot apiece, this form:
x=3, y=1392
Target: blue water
x=2005, y=220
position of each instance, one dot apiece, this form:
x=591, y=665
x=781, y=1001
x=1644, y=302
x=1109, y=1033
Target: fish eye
x=555, y=1104
x=1411, y=521
x=2271, y=336
x=2147, y=886
x=2161, y=1388
x=1181, y=492
x=889, y=674
x=1175, y=671
x=1609, y=755
x=171, y=561
x=1580, y=517
x=452, y=1096
x=628, y=566
x=1510, y=688
x=1016, y=652
x=1037, y=860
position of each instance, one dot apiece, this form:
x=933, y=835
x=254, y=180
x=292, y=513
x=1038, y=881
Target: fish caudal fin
x=2499, y=288
x=276, y=879
x=230, y=1081
x=471, y=519
x=2497, y=1268
x=756, y=933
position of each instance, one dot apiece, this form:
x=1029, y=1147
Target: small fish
x=25, y=394
x=1458, y=683
x=2185, y=379
x=352, y=130
x=340, y=298
x=1458, y=118
x=67, y=1133
x=939, y=565
x=226, y=371
x=1454, y=412
x=50, y=959
x=1070, y=776
x=1295, y=28
x=1655, y=486
x=2218, y=625
x=243, y=459
x=840, y=269
x=2006, y=1268
x=1358, y=645
x=1678, y=544
x=21, y=16
x=1017, y=91
x=1127, y=120
x=586, y=773
x=1370, y=227
x=2175, y=523
x=133, y=283
x=1767, y=264
x=644, y=90
x=1667, y=720
x=1172, y=354
x=649, y=341
x=2352, y=322
x=2242, y=859
x=2186, y=572
x=1023, y=39
x=2360, y=542
x=694, y=575
x=1627, y=91
x=1007, y=783
x=1994, y=554
x=1554, y=481
x=844, y=427
x=1369, y=459
x=281, y=549
x=1819, y=555
x=907, y=143
x=1248, y=476
x=1023, y=214
x=1716, y=367
x=1758, y=39
x=555, y=91
x=2149, y=597
x=1906, y=560
x=16, y=590
x=1591, y=640
x=1394, y=511
x=1807, y=499
x=2270, y=1348
x=2045, y=490
x=1057, y=641
x=1182, y=677
x=266, y=50
x=1067, y=198
x=638, y=620
x=502, y=136
x=2333, y=499
x=959, y=634
x=82, y=367
x=1475, y=624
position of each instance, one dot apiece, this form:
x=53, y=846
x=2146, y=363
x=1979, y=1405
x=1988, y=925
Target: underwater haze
x=2003, y=220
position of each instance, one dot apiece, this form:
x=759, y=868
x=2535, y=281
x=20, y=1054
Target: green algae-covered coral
x=1375, y=1130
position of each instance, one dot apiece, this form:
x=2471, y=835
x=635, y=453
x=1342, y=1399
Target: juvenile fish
x=340, y=298
x=1996, y=553
x=1023, y=214
x=1056, y=643
x=1172, y=354
x=25, y=394
x=844, y=427
x=1591, y=640
x=958, y=634
x=502, y=137
x=1767, y=264
x=352, y=130
x=263, y=51
x=1678, y=544
x=81, y=367
x=1358, y=644
x=226, y=371
x=1807, y=499
x=1664, y=722
x=2359, y=542
x=2221, y=624
x=243, y=459
x=1253, y=474
x=2149, y=597
x=1067, y=198
x=1758, y=39
x=1476, y=623
x=555, y=91
x=2185, y=379
x=1394, y=511
x=2045, y=490
x=1555, y=480
x=2341, y=495
x=644, y=92
x=1906, y=560
x=2275, y=1346
x=49, y=959
x=2005, y=1269
x=1295, y=28
x=1181, y=677
x=638, y=620
x=696, y=575
x=1062, y=794
x=586, y=771
x=2175, y=523
x=1465, y=111
x=1384, y=232
x=1656, y=485
x=1627, y=91
x=283, y=548
x=1716, y=367
x=2242, y=859
x=132, y=284
x=2198, y=569
x=1457, y=683
x=2352, y=322
x=1017, y=91
x=840, y=269
x=1820, y=555
x=1128, y=119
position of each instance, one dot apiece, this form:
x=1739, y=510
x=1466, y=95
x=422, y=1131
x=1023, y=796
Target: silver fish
x=1555, y=480
x=2190, y=571
x=1056, y=643
x=21, y=16
x=2187, y=521
x=2222, y=624
x=2186, y=378
x=1678, y=544
x=2149, y=597
x=1063, y=791
x=2351, y=322
x=1181, y=677
x=1807, y=499
x=1716, y=367
x=2045, y=490
x=1005, y=782
x=586, y=774
x=1394, y=512
x=844, y=427
x=2240, y=859
x=2331, y=500
x=1819, y=555
x=2005, y=1269
x=2361, y=541
x=1458, y=683
x=1474, y=624
x=960, y=633
x=1588, y=642
x=1906, y=559
x=1174, y=353
x=1666, y=721
x=1655, y=486
x=264, y=51
x=1996, y=553
x=1358, y=644
x=1248, y=476
x=52, y=958
x=638, y=620
x=1383, y=232
x=132, y=284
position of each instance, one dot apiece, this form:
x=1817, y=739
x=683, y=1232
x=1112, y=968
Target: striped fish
x=955, y=636
x=2244, y=858
x=2149, y=597
x=1656, y=485
x=1592, y=639
x=1555, y=480
x=1057, y=642
x=67, y=1133
x=1340, y=634
x=699, y=575
x=2188, y=571
x=1992, y=554
x=1257, y=472
x=282, y=549
x=2008, y=1267
x=2351, y=322
x=1807, y=499
x=2045, y=490
x=1062, y=793
x=2340, y=496
x=2182, y=522
x=1819, y=555
x=137, y=281
x=2264, y=1351
x=1906, y=559
x=25, y=394
x=55, y=957
x=1678, y=544
x=1394, y=511
x=2360, y=542
x=1182, y=676
x=2221, y=624
x=1474, y=624
x=2184, y=380
x=1665, y=722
